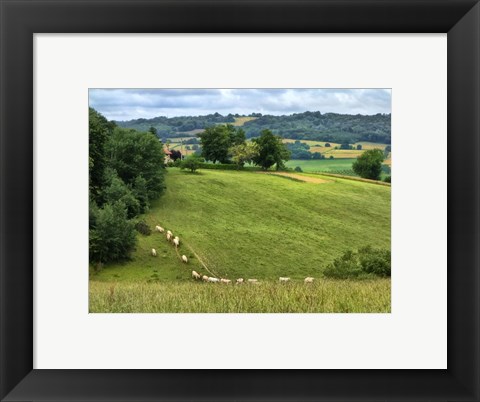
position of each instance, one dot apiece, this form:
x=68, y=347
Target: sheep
x=169, y=232
x=205, y=278
x=226, y=281
x=159, y=229
x=184, y=259
x=239, y=281
x=154, y=252
x=169, y=236
x=195, y=275
x=176, y=241
x=283, y=279
x=213, y=280
x=309, y=279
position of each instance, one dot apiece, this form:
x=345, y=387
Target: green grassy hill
x=251, y=225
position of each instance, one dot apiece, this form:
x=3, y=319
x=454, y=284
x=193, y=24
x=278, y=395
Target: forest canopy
x=331, y=127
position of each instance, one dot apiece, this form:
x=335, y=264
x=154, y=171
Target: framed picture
x=24, y=179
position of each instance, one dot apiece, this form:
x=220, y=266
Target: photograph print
x=240, y=200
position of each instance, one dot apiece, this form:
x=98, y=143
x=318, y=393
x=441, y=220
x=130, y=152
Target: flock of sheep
x=174, y=240
x=195, y=275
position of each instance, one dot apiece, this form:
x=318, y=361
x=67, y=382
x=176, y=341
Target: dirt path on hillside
x=199, y=260
x=295, y=176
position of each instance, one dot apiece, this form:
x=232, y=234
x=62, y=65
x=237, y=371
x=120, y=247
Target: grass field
x=240, y=121
x=319, y=146
x=322, y=296
x=322, y=165
x=245, y=224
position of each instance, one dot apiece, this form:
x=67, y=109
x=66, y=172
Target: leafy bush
x=388, y=179
x=298, y=169
x=375, y=261
x=191, y=163
x=117, y=190
x=112, y=236
x=364, y=263
x=369, y=164
x=143, y=228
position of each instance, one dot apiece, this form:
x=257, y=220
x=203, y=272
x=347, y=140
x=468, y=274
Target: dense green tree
x=99, y=131
x=126, y=171
x=359, y=147
x=317, y=155
x=117, y=190
x=111, y=234
x=132, y=154
x=152, y=130
x=237, y=135
x=140, y=191
x=271, y=151
x=217, y=140
x=369, y=164
x=243, y=153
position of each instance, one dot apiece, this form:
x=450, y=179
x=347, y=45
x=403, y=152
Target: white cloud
x=126, y=104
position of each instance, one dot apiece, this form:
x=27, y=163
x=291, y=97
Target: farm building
x=168, y=155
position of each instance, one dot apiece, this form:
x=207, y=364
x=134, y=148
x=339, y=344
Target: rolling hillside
x=245, y=224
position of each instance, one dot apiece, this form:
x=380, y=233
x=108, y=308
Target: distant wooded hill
x=315, y=126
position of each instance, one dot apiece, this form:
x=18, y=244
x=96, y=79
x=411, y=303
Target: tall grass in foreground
x=322, y=296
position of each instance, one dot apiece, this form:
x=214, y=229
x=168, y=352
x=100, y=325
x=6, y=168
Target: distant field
x=312, y=143
x=193, y=132
x=322, y=165
x=319, y=146
x=371, y=145
x=343, y=153
x=178, y=146
x=240, y=121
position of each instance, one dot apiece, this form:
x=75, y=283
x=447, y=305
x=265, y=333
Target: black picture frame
x=20, y=19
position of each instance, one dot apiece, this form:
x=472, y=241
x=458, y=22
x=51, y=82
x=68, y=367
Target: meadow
x=236, y=224
x=322, y=296
x=323, y=165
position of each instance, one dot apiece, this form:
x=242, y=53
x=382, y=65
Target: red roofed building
x=168, y=154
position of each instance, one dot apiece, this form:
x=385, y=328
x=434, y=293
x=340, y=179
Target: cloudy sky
x=127, y=104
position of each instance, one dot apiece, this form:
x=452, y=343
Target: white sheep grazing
x=195, y=275
x=159, y=229
x=184, y=259
x=205, y=278
x=170, y=233
x=176, y=241
x=252, y=280
x=226, y=281
x=213, y=280
x=169, y=236
x=239, y=281
x=309, y=279
x=283, y=279
x=154, y=252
